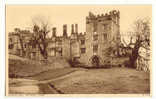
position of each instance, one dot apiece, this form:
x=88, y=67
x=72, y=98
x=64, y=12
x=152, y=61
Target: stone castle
x=94, y=47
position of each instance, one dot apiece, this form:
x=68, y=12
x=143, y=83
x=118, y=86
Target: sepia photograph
x=78, y=50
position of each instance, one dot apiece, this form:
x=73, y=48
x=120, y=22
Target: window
x=83, y=50
x=60, y=51
x=87, y=22
x=60, y=43
x=109, y=18
x=25, y=45
x=95, y=37
x=11, y=46
x=34, y=46
x=10, y=39
x=95, y=48
x=100, y=20
x=106, y=27
x=105, y=36
x=95, y=27
x=82, y=42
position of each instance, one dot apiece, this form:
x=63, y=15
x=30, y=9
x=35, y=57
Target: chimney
x=76, y=28
x=72, y=29
x=65, y=30
x=54, y=32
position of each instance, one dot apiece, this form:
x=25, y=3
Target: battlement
x=111, y=14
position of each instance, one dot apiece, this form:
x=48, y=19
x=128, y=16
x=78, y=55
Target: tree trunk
x=22, y=46
x=133, y=57
x=43, y=51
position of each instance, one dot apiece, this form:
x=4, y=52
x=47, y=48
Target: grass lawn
x=115, y=80
x=106, y=81
x=20, y=67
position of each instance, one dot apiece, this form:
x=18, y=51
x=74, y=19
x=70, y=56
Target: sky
x=21, y=16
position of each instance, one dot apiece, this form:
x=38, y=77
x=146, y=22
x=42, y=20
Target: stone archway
x=95, y=61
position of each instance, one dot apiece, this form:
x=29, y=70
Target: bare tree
x=41, y=29
x=21, y=37
x=141, y=34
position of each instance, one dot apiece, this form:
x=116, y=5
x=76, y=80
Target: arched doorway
x=95, y=60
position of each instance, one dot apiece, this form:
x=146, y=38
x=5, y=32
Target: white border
x=79, y=1
x=112, y=2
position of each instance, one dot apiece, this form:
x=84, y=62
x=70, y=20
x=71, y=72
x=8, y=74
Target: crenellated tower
x=102, y=31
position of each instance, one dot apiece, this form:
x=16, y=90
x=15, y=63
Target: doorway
x=95, y=61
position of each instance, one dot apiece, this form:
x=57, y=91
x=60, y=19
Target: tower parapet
x=112, y=15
